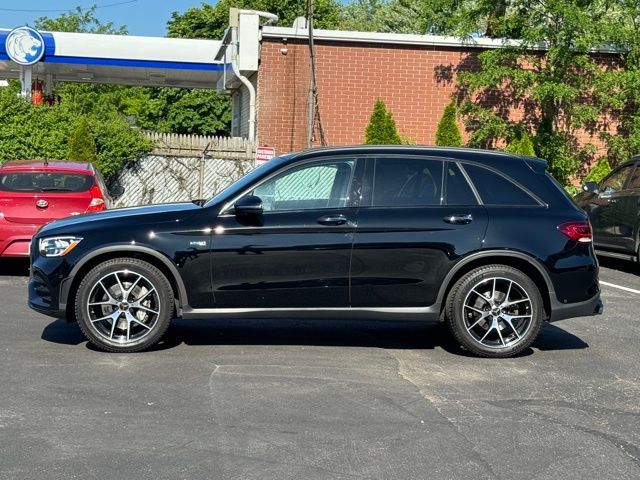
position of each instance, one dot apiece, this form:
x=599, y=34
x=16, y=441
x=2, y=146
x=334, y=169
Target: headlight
x=57, y=246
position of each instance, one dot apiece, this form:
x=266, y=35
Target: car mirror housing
x=591, y=187
x=248, y=205
x=116, y=190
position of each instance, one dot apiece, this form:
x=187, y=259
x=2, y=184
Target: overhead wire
x=61, y=10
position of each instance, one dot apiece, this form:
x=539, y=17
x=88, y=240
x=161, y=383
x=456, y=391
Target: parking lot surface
x=320, y=399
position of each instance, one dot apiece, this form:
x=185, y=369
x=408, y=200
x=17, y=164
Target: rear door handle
x=459, y=219
x=332, y=220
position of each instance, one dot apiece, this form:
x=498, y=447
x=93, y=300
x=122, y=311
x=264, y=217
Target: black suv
x=484, y=241
x=613, y=207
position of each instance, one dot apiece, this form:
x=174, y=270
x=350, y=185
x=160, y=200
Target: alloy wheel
x=497, y=312
x=123, y=307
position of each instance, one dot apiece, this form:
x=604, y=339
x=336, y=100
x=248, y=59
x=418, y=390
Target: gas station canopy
x=51, y=57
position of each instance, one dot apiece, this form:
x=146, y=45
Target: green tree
x=521, y=145
x=82, y=145
x=557, y=88
x=599, y=171
x=447, y=132
x=79, y=20
x=210, y=21
x=382, y=129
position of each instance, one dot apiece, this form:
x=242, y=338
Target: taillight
x=577, y=231
x=97, y=201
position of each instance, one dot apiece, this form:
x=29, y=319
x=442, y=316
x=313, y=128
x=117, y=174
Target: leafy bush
x=448, y=133
x=521, y=145
x=598, y=172
x=382, y=128
x=82, y=146
x=50, y=132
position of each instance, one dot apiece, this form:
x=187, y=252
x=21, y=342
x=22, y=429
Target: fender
x=492, y=253
x=124, y=248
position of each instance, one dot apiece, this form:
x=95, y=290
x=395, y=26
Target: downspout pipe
x=234, y=22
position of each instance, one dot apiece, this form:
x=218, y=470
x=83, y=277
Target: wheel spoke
x=147, y=309
x=132, y=318
x=481, y=312
x=506, y=298
x=486, y=299
x=113, y=316
x=122, y=290
x=111, y=301
x=147, y=293
x=476, y=323
x=130, y=289
x=515, y=302
x=106, y=291
x=487, y=333
x=499, y=333
x=493, y=291
x=509, y=322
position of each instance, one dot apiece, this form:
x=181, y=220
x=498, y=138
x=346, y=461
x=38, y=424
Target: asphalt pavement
x=320, y=399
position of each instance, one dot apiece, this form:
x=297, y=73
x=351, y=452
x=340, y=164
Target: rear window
x=45, y=182
x=494, y=189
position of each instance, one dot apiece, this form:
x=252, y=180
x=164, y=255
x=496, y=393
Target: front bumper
x=562, y=311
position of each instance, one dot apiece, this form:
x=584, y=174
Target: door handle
x=332, y=220
x=459, y=219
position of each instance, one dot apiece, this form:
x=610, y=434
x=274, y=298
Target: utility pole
x=312, y=77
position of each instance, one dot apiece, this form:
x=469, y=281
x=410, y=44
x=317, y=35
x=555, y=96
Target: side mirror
x=590, y=187
x=248, y=205
x=116, y=190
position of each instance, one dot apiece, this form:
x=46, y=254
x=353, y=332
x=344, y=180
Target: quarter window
x=458, y=190
x=407, y=182
x=311, y=186
x=494, y=189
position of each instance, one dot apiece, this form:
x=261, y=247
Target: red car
x=34, y=193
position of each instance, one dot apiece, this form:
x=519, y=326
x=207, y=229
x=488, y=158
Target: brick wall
x=416, y=83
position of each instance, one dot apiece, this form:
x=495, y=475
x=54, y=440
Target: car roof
x=48, y=165
x=458, y=153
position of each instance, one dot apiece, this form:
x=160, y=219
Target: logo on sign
x=264, y=154
x=25, y=46
x=42, y=204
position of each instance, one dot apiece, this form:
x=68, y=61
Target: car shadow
x=330, y=333
x=14, y=267
x=621, y=265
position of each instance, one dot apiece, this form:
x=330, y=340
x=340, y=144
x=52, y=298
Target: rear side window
x=458, y=191
x=407, y=182
x=44, y=182
x=494, y=189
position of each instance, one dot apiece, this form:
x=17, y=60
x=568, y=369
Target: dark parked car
x=484, y=241
x=613, y=207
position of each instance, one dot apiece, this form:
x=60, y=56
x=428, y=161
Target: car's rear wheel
x=124, y=305
x=495, y=311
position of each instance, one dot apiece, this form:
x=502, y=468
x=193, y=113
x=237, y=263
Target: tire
x=495, y=311
x=124, y=305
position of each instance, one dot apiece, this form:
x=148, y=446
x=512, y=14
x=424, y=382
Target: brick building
x=414, y=74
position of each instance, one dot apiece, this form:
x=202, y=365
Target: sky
x=142, y=17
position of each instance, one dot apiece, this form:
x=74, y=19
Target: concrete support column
x=26, y=76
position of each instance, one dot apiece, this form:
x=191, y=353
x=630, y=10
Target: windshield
x=246, y=181
x=27, y=182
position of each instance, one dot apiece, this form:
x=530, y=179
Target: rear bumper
x=562, y=311
x=15, y=238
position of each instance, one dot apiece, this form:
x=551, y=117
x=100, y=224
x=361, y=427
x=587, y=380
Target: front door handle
x=459, y=219
x=332, y=220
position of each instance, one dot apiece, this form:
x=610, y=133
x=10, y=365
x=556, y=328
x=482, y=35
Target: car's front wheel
x=495, y=311
x=124, y=305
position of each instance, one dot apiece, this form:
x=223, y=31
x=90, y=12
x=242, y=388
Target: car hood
x=152, y=213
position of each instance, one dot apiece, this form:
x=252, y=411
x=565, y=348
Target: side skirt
x=394, y=313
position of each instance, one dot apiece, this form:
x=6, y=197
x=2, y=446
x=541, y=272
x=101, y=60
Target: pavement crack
x=437, y=403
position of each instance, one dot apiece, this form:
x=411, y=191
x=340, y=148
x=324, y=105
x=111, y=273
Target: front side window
x=28, y=182
x=313, y=186
x=616, y=181
x=494, y=189
x=401, y=182
x=634, y=183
